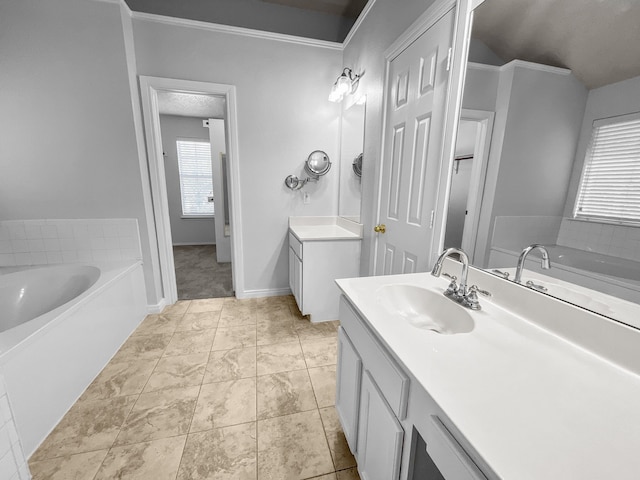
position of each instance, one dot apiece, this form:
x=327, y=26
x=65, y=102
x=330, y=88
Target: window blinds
x=610, y=185
x=196, y=181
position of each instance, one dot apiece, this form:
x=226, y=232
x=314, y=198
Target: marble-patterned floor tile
x=234, y=315
x=160, y=414
x=241, y=301
x=206, y=305
x=281, y=357
x=348, y=474
x=308, y=331
x=340, y=453
x=198, y=321
x=296, y=313
x=269, y=333
x=323, y=380
x=234, y=337
x=81, y=466
x=225, y=365
x=120, y=379
x=142, y=346
x=328, y=476
x=178, y=308
x=227, y=453
x=292, y=447
x=88, y=426
x=277, y=313
x=184, y=343
x=225, y=403
x=277, y=300
x=178, y=371
x=284, y=393
x=157, y=323
x=157, y=460
x=320, y=352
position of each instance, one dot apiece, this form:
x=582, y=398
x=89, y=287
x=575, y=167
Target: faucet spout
x=545, y=263
x=437, y=268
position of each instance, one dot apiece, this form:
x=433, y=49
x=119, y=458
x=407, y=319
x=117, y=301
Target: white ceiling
x=599, y=40
x=346, y=8
x=190, y=105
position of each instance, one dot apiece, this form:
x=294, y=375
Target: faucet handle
x=452, y=277
x=474, y=289
x=470, y=300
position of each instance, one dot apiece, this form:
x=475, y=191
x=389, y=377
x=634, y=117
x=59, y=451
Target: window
x=196, y=182
x=610, y=185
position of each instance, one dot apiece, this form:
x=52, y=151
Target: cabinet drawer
x=296, y=245
x=391, y=381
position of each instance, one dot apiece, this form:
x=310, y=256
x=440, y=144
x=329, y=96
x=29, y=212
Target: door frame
x=453, y=106
x=149, y=87
x=481, y=150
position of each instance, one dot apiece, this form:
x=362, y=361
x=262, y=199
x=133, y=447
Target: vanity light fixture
x=345, y=84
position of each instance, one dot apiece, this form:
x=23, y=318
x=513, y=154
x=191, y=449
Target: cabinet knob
x=380, y=228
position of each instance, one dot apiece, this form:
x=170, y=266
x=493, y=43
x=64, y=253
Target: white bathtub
x=611, y=275
x=65, y=323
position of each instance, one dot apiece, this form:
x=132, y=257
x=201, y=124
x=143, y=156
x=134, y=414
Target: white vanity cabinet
x=395, y=432
x=320, y=253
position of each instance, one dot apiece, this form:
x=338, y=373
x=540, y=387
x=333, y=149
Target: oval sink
x=425, y=309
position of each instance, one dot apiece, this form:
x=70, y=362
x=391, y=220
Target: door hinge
x=432, y=219
x=449, y=55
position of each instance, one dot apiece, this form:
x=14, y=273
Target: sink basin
x=424, y=309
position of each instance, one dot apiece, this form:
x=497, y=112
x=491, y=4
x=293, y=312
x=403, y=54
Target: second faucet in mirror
x=546, y=264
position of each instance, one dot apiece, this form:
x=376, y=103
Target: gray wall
x=184, y=231
x=68, y=147
x=283, y=115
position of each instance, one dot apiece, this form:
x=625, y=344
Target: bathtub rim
x=24, y=334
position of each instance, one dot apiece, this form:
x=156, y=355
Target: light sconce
x=345, y=84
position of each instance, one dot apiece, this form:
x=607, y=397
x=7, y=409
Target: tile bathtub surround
x=209, y=389
x=42, y=242
x=620, y=241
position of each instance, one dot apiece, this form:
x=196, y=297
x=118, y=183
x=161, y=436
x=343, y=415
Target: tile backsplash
x=616, y=240
x=41, y=242
x=13, y=465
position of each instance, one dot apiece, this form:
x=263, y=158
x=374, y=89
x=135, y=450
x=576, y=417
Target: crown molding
x=358, y=22
x=519, y=63
x=245, y=32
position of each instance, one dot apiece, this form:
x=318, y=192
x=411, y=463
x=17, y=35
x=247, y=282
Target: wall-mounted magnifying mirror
x=351, y=158
x=540, y=81
x=316, y=165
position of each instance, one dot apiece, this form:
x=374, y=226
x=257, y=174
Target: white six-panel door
x=413, y=144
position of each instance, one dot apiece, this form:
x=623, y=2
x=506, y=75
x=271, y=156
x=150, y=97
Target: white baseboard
x=267, y=292
x=193, y=244
x=158, y=307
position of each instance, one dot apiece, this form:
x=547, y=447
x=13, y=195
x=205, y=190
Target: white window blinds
x=610, y=185
x=196, y=182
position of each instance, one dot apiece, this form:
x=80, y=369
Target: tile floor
x=209, y=389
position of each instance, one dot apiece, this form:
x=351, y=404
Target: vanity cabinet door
x=348, y=378
x=295, y=277
x=380, y=435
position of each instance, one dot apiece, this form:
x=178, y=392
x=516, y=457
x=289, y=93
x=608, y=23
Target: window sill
x=196, y=217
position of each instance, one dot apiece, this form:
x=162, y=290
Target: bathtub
x=59, y=327
x=604, y=273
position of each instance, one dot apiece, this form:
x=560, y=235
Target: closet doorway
x=190, y=136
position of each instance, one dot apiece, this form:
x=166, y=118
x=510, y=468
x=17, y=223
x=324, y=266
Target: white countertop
x=324, y=228
x=533, y=405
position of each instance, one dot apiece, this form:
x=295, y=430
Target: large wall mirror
x=351, y=158
x=540, y=76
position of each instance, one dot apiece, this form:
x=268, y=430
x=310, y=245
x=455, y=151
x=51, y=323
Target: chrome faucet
x=454, y=290
x=546, y=264
x=466, y=297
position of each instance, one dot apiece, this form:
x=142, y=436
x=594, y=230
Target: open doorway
x=467, y=180
x=192, y=145
x=193, y=139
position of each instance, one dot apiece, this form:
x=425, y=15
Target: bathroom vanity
x=528, y=387
x=321, y=250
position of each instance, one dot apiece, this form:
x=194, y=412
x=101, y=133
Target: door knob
x=380, y=228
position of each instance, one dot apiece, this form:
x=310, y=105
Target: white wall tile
x=5, y=246
x=16, y=230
